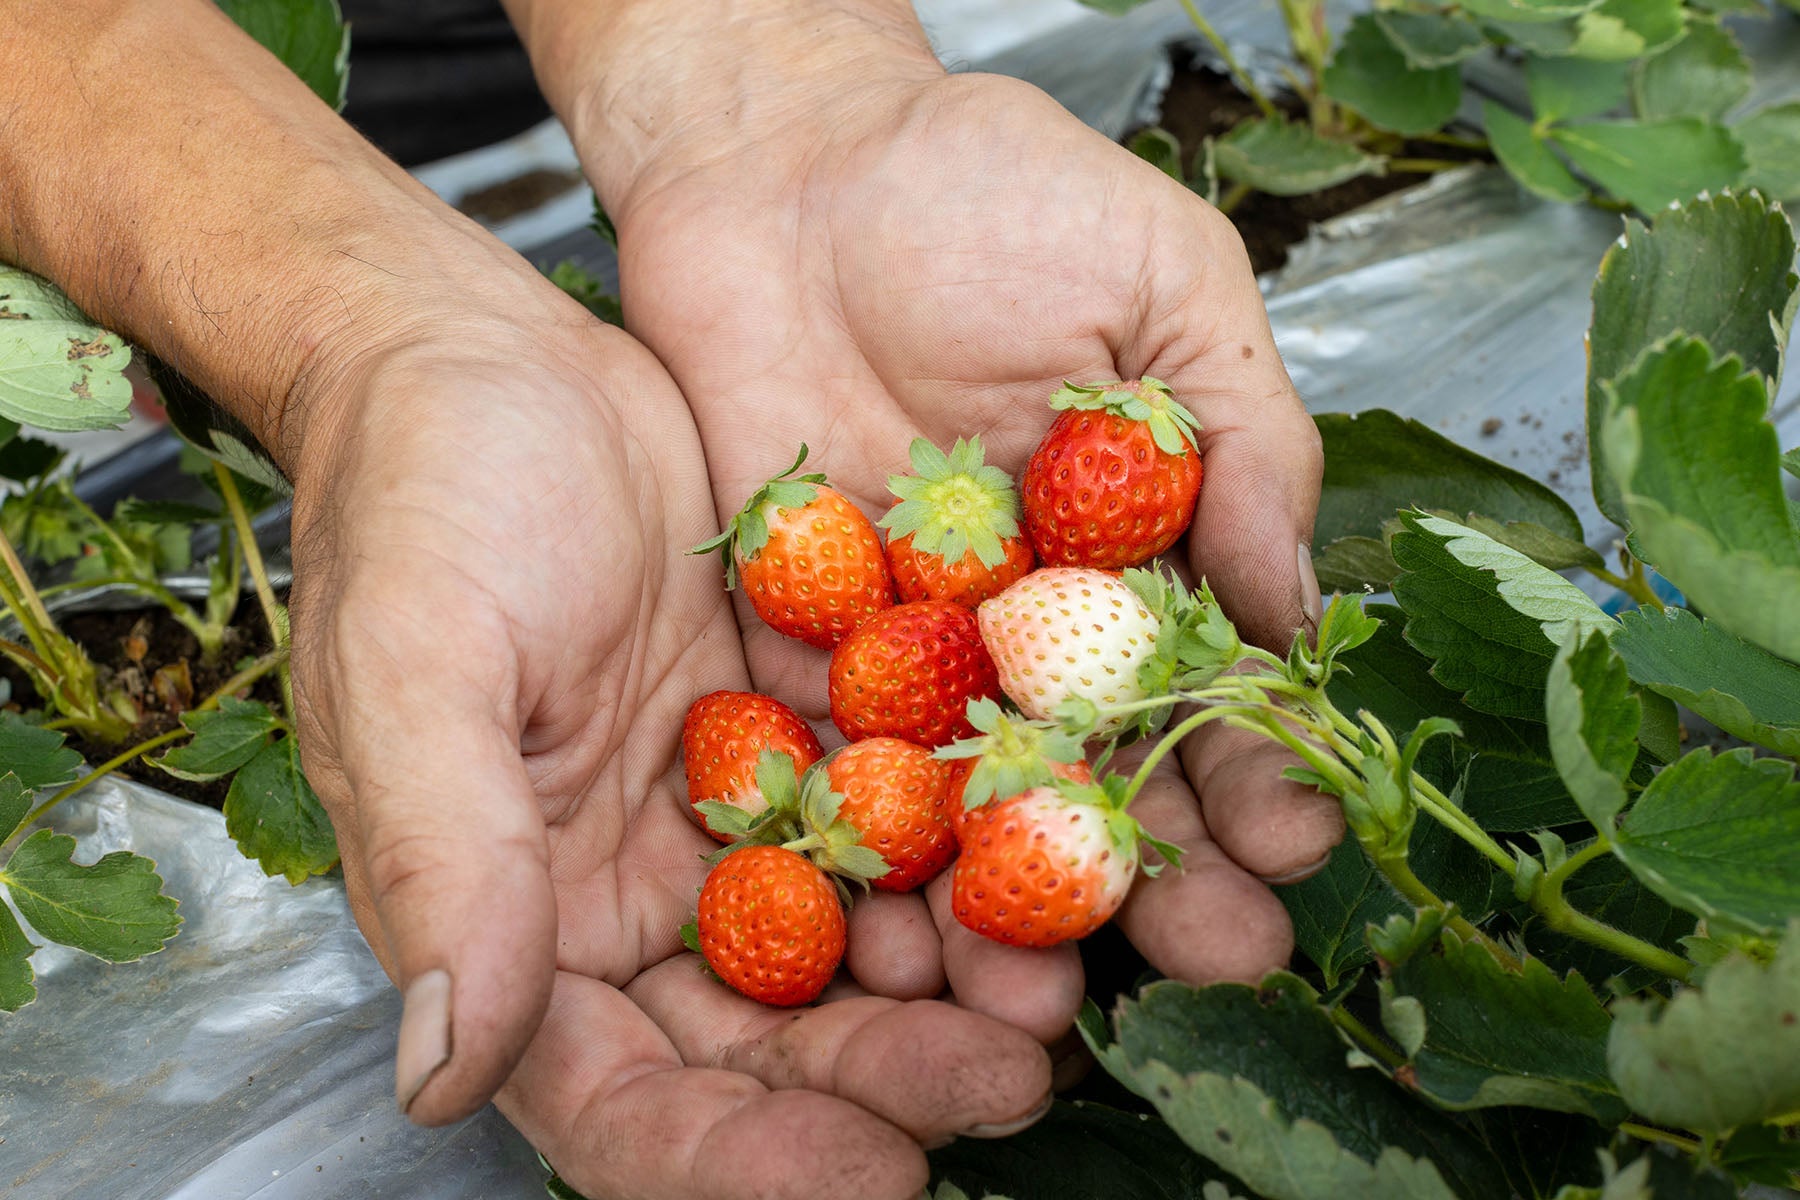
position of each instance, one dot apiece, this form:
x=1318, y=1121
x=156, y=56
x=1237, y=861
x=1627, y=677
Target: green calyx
x=954, y=503
x=747, y=533
x=1014, y=754
x=1172, y=426
x=1113, y=794
x=1195, y=641
x=802, y=816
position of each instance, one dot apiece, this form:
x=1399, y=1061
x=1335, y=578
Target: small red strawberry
x=894, y=794
x=954, y=535
x=770, y=925
x=1065, y=632
x=721, y=740
x=908, y=672
x=1115, y=479
x=960, y=771
x=1043, y=867
x=810, y=562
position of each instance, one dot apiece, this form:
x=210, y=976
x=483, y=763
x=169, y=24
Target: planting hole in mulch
x=1202, y=103
x=157, y=663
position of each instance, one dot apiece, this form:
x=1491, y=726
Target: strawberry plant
x=1556, y=956
x=1631, y=102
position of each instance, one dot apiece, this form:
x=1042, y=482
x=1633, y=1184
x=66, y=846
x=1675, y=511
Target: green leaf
x=1496, y=1037
x=1593, y=721
x=1331, y=908
x=58, y=370
x=1377, y=462
x=1743, y=690
x=1489, y=617
x=1720, y=270
x=224, y=739
x=1699, y=469
x=1760, y=1154
x=582, y=285
x=275, y=817
x=36, y=755
x=113, y=909
x=1431, y=39
x=1526, y=158
x=1284, y=158
x=1561, y=88
x=1369, y=73
x=1256, y=1080
x=1719, y=1056
x=1526, y=11
x=1705, y=74
x=23, y=458
x=1716, y=836
x=1079, y=1151
x=16, y=986
x=1625, y=29
x=308, y=36
x=1771, y=140
x=1652, y=164
x=1159, y=148
x=1506, y=794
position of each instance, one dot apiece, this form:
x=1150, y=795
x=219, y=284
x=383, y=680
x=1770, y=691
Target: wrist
x=650, y=90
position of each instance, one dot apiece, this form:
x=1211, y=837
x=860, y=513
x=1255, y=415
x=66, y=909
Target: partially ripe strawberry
x=963, y=768
x=1067, y=631
x=770, y=925
x=954, y=535
x=1115, y=480
x=1042, y=868
x=721, y=739
x=811, y=563
x=894, y=793
x=908, y=672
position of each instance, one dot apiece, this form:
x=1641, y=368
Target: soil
x=522, y=193
x=1201, y=103
x=158, y=664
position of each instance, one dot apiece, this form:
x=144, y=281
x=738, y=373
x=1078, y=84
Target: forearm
x=187, y=190
x=644, y=84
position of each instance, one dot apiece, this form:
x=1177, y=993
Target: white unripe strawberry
x=1068, y=631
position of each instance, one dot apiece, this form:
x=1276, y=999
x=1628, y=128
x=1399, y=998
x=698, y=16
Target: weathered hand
x=497, y=635
x=917, y=253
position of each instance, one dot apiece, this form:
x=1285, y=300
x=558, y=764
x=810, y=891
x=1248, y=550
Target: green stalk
x=140, y=568
x=209, y=636
x=1548, y=900
x=1649, y=1133
x=273, y=611
x=1241, y=76
x=18, y=594
x=1366, y=1040
x=1423, y=166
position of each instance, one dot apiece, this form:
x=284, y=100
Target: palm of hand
x=945, y=254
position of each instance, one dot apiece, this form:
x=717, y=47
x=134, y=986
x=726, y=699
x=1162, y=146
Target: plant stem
x=1366, y=1040
x=1223, y=50
x=1550, y=903
x=19, y=595
x=1633, y=584
x=1423, y=166
x=1649, y=1133
x=1234, y=196
x=273, y=612
x=141, y=568
x=1413, y=890
x=1440, y=138
x=244, y=678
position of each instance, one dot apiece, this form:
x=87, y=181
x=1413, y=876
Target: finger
x=448, y=842
x=1277, y=829
x=1038, y=991
x=932, y=1069
x=1207, y=920
x=604, y=1095
x=893, y=947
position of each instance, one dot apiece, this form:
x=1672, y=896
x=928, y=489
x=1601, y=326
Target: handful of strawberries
x=929, y=634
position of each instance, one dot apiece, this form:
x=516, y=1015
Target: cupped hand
x=497, y=634
x=924, y=254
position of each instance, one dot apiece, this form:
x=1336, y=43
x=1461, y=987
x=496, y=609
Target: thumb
x=448, y=866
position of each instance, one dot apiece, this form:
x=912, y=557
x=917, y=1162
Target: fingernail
x=1299, y=873
x=1008, y=1128
x=1311, y=603
x=424, y=1035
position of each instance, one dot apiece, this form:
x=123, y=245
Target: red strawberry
x=954, y=535
x=1115, y=479
x=908, y=673
x=811, y=563
x=770, y=925
x=894, y=794
x=1067, y=631
x=721, y=739
x=1043, y=868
